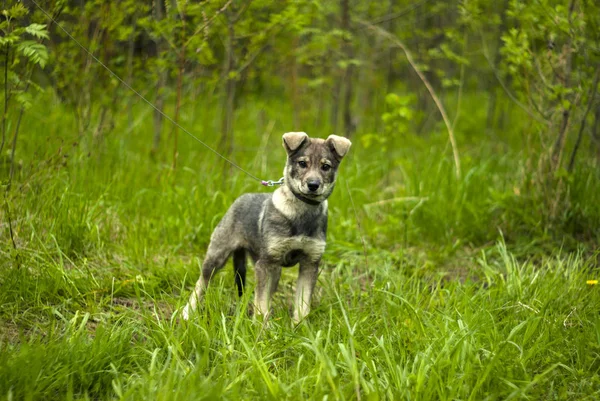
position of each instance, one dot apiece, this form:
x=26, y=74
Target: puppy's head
x=312, y=164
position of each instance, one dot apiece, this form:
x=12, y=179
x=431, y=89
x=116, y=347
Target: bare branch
x=398, y=14
x=16, y=134
x=207, y=23
x=242, y=10
x=592, y=95
x=506, y=90
x=10, y=228
x=6, y=97
x=461, y=84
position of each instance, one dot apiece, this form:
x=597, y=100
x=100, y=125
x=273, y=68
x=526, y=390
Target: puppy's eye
x=302, y=164
x=325, y=167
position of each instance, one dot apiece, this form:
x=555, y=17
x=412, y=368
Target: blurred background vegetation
x=501, y=92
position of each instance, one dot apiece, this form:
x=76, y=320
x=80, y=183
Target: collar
x=305, y=199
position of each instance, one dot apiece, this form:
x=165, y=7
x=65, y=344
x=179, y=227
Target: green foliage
x=516, y=51
x=35, y=52
x=549, y=54
x=22, y=50
x=102, y=27
x=400, y=115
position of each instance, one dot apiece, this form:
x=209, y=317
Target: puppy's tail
x=239, y=269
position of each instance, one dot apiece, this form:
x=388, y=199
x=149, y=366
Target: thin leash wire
x=268, y=183
x=176, y=124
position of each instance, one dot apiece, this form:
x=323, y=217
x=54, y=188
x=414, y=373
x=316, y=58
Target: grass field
x=472, y=288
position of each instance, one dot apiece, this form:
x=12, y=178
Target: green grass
x=471, y=288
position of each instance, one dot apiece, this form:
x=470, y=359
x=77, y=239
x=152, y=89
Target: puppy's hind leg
x=239, y=269
x=215, y=259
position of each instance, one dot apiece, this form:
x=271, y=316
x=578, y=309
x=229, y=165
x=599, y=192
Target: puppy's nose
x=313, y=185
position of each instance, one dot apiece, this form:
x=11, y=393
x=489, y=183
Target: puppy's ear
x=293, y=140
x=339, y=145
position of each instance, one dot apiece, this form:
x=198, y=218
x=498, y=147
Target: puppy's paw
x=185, y=313
x=298, y=318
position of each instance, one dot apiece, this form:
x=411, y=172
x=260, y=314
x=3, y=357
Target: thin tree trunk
x=14, y=141
x=10, y=228
x=105, y=106
x=320, y=103
x=364, y=88
x=348, y=127
x=593, y=90
x=175, y=131
x=5, y=111
x=559, y=144
x=158, y=118
x=595, y=134
x=461, y=83
x=229, y=115
x=180, y=74
x=335, y=100
x=230, y=86
x=85, y=99
x=130, y=52
x=491, y=109
x=491, y=112
x=337, y=92
x=389, y=26
x=4, y=116
x=160, y=84
x=294, y=85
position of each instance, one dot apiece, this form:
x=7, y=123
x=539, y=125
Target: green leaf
x=36, y=52
x=24, y=99
x=37, y=30
x=9, y=40
x=16, y=11
x=392, y=99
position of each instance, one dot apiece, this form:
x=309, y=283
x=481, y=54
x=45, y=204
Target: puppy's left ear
x=339, y=145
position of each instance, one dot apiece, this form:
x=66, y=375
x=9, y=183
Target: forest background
x=463, y=250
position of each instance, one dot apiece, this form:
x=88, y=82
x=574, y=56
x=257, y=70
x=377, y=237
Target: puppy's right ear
x=293, y=140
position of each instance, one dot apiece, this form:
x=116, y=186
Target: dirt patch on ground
x=9, y=332
x=120, y=303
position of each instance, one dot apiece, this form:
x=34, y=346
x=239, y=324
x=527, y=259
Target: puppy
x=280, y=229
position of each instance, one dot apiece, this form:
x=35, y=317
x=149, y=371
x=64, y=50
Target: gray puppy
x=280, y=229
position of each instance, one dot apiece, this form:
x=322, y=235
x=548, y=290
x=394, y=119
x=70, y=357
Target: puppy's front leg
x=307, y=278
x=267, y=278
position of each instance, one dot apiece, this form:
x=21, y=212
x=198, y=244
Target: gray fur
x=280, y=229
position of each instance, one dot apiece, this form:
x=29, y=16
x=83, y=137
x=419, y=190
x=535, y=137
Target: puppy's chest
x=288, y=251
x=290, y=242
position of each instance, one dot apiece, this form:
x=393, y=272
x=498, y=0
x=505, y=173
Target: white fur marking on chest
x=312, y=247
